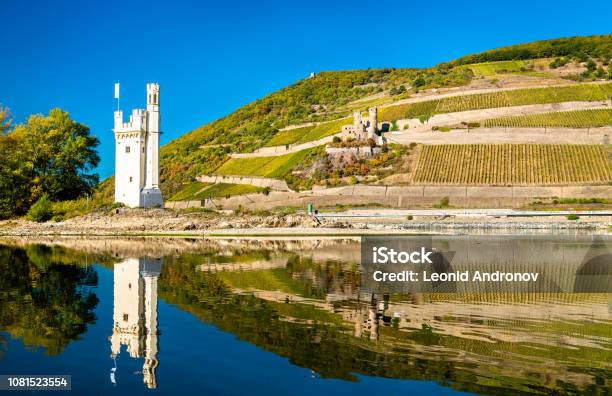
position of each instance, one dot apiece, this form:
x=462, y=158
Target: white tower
x=137, y=154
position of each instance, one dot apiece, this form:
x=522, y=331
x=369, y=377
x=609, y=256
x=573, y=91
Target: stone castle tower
x=372, y=122
x=135, y=313
x=137, y=154
x=362, y=129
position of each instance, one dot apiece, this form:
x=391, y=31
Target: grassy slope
x=491, y=68
x=256, y=123
x=309, y=133
x=196, y=191
x=274, y=167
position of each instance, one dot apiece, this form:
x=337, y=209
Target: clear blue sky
x=213, y=57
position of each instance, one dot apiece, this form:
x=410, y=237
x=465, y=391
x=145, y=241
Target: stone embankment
x=125, y=221
x=403, y=196
x=506, y=136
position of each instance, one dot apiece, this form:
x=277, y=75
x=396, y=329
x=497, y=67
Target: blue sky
x=213, y=57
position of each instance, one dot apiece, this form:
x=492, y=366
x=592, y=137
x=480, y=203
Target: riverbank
x=135, y=222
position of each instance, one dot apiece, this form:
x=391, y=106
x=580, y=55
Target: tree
x=14, y=192
x=51, y=155
x=5, y=121
x=419, y=82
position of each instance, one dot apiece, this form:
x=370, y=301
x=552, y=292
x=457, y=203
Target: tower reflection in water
x=135, y=314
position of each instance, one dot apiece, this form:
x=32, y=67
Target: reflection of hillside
x=340, y=249
x=312, y=313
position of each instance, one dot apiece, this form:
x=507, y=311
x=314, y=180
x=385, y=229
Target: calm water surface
x=278, y=317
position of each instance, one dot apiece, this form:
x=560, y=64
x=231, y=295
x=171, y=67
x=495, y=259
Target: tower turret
x=357, y=118
x=372, y=122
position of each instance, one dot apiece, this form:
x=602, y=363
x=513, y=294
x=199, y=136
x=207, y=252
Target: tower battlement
x=137, y=122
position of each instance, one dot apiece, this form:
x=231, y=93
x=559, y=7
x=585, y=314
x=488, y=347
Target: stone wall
x=408, y=196
x=274, y=184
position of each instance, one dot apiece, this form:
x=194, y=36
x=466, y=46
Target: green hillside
x=331, y=96
x=573, y=47
x=316, y=99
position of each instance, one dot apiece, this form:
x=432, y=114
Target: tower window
x=130, y=179
x=127, y=149
x=125, y=317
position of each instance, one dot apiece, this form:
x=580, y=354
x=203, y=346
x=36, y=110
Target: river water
x=258, y=316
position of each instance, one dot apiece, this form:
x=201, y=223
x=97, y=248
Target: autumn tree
x=51, y=155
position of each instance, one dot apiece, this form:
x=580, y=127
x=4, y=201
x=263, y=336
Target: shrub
x=336, y=139
x=419, y=82
x=573, y=216
x=590, y=65
x=409, y=217
x=42, y=210
x=424, y=118
x=444, y=203
x=560, y=62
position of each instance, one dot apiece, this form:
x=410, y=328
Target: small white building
x=137, y=154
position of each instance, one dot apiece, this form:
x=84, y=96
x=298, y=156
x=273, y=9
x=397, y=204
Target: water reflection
x=46, y=296
x=135, y=314
x=302, y=300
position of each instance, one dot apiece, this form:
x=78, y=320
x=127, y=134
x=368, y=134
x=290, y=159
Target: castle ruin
x=363, y=130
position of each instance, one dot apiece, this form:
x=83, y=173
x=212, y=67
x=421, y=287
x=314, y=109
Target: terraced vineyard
x=519, y=97
x=308, y=133
x=274, y=167
x=513, y=164
x=491, y=68
x=568, y=119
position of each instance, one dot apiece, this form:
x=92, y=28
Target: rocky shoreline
x=167, y=222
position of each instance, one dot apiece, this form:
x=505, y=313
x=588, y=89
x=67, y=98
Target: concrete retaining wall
x=408, y=196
